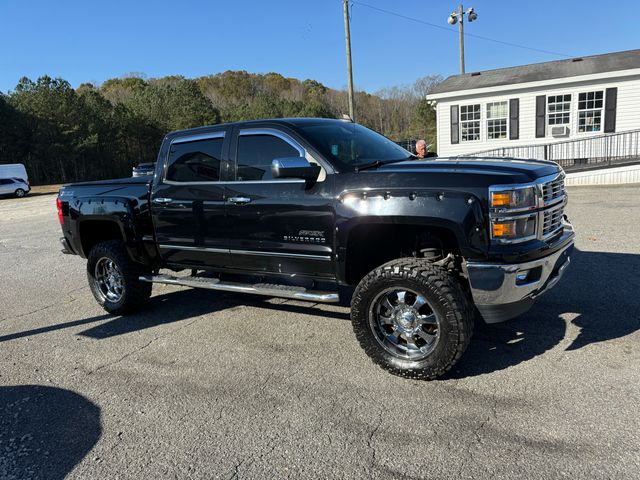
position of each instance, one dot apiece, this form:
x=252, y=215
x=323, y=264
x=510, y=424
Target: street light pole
x=461, y=35
x=347, y=38
x=458, y=17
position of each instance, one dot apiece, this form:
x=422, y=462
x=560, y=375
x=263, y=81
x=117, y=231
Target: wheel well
x=96, y=231
x=371, y=245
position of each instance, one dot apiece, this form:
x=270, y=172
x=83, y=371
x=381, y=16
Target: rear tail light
x=59, y=207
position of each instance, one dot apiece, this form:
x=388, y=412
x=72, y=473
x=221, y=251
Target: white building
x=564, y=109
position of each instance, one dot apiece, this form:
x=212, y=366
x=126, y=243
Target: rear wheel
x=114, y=278
x=20, y=193
x=412, y=318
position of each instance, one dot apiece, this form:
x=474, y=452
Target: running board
x=267, y=289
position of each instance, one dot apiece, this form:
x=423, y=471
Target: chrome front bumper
x=504, y=291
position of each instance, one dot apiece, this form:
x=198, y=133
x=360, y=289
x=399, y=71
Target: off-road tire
x=445, y=296
x=135, y=294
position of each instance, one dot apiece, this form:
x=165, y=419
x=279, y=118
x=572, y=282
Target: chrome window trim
x=187, y=139
x=201, y=136
x=276, y=133
x=227, y=182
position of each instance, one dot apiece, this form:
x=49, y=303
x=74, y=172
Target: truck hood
x=496, y=170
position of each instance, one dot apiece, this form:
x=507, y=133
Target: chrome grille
x=553, y=191
x=552, y=221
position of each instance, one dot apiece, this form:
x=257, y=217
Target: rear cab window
x=195, y=160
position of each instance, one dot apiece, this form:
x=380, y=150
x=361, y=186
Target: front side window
x=255, y=154
x=197, y=161
x=349, y=146
x=559, y=109
x=590, y=111
x=497, y=114
x=469, y=123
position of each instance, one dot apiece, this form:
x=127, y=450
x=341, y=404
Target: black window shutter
x=514, y=119
x=455, y=124
x=541, y=105
x=610, y=106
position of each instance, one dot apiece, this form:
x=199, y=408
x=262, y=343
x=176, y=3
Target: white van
x=14, y=180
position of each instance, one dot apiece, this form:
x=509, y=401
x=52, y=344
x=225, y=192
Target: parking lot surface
x=211, y=385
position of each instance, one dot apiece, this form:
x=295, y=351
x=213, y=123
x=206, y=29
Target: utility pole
x=347, y=38
x=461, y=35
x=458, y=17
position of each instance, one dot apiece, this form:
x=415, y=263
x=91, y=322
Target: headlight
x=513, y=199
x=515, y=229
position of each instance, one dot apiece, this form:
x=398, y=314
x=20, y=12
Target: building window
x=590, y=111
x=470, y=122
x=497, y=114
x=559, y=109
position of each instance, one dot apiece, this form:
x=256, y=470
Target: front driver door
x=188, y=203
x=277, y=225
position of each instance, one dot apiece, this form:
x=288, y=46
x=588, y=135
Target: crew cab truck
x=278, y=207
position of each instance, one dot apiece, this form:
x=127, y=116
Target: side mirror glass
x=294, y=167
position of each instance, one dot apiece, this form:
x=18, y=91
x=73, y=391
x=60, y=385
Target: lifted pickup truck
x=277, y=207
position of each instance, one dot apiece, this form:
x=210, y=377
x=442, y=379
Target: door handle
x=239, y=200
x=162, y=201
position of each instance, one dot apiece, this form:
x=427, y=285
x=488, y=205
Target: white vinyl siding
x=627, y=112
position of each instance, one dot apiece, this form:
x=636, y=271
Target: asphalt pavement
x=212, y=385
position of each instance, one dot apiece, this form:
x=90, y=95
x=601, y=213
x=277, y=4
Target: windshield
x=350, y=146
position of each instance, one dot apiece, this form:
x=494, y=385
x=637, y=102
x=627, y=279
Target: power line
x=441, y=27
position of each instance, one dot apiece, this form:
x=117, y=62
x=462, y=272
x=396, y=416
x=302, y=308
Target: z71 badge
x=307, y=236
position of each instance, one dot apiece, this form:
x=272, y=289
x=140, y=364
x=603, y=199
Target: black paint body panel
x=292, y=228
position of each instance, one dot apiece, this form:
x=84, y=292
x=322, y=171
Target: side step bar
x=267, y=289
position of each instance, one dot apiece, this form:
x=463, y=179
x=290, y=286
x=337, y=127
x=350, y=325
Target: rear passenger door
x=188, y=203
x=277, y=225
x=6, y=186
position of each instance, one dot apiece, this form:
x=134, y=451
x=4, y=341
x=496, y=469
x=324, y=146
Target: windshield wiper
x=379, y=163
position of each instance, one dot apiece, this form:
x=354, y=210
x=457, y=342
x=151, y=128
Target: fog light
x=521, y=277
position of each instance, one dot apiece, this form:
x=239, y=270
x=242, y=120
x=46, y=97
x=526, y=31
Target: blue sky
x=92, y=41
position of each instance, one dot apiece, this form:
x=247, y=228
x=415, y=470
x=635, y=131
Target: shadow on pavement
x=600, y=288
x=45, y=431
x=184, y=304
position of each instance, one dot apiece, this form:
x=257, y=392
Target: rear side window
x=255, y=154
x=197, y=161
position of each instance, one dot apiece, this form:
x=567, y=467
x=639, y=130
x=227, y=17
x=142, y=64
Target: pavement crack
x=146, y=345
x=370, y=445
x=46, y=307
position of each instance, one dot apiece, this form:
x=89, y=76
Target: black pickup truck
x=283, y=207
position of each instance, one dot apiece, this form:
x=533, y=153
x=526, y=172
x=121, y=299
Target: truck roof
x=282, y=121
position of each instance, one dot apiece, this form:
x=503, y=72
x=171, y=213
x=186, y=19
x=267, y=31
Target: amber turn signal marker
x=499, y=199
x=504, y=229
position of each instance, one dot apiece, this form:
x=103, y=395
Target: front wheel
x=412, y=318
x=114, y=278
x=20, y=193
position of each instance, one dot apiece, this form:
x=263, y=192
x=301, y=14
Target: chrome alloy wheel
x=109, y=280
x=404, y=323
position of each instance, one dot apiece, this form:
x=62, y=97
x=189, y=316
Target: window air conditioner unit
x=560, y=131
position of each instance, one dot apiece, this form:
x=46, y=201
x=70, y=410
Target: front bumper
x=504, y=291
